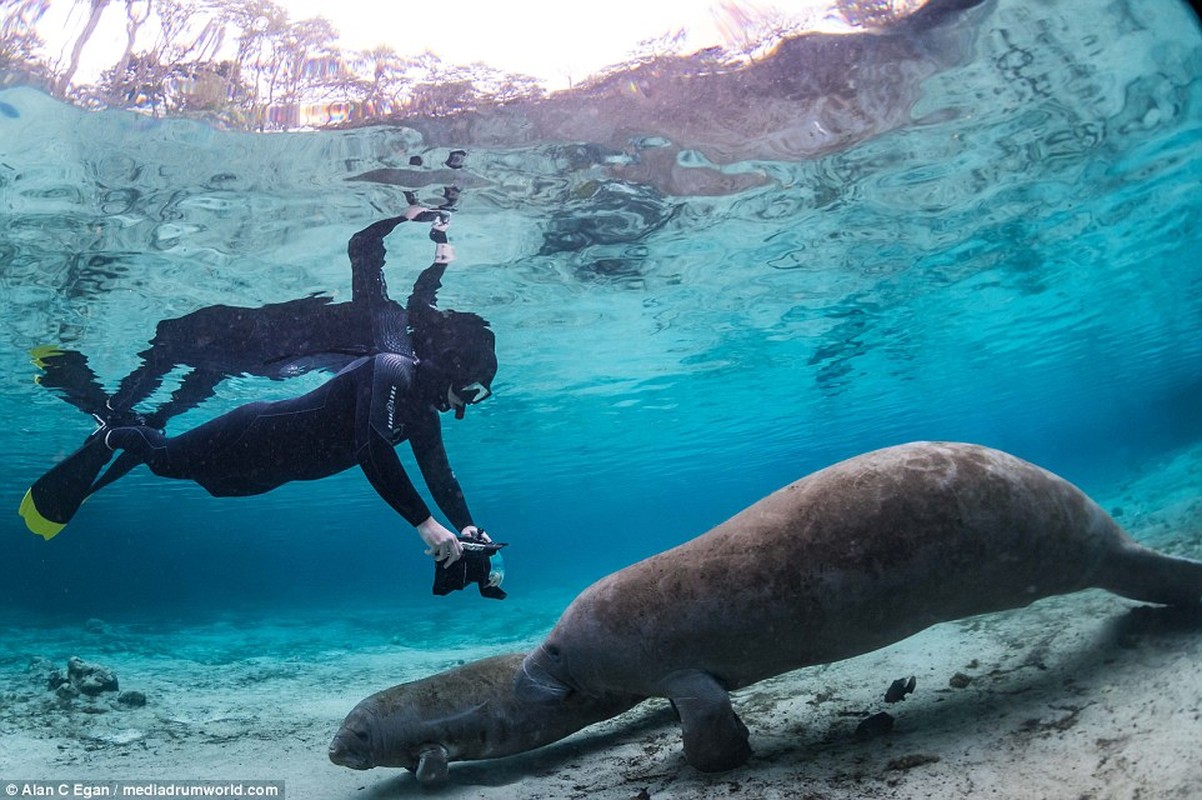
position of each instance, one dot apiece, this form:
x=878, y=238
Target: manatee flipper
x=55, y=497
x=432, y=765
x=715, y=739
x=1139, y=573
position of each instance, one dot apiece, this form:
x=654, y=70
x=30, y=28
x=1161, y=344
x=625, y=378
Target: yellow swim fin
x=42, y=352
x=34, y=520
x=55, y=497
x=38, y=356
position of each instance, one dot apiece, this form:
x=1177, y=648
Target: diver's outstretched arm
x=430, y=452
x=423, y=300
x=366, y=252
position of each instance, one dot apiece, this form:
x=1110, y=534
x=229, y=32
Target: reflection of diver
x=275, y=341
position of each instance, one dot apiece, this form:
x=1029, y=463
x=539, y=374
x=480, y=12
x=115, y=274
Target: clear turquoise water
x=1009, y=254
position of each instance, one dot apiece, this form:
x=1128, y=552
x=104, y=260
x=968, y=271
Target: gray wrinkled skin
x=462, y=714
x=847, y=560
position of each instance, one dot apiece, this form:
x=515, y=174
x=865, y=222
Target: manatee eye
x=361, y=736
x=553, y=651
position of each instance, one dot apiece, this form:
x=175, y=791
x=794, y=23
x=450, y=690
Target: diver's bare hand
x=475, y=534
x=440, y=542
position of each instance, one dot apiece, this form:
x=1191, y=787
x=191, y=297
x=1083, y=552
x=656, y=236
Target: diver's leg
x=143, y=445
x=54, y=498
x=143, y=381
x=213, y=454
x=185, y=456
x=124, y=463
x=68, y=374
x=196, y=387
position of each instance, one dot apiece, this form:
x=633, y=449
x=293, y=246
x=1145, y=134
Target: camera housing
x=474, y=566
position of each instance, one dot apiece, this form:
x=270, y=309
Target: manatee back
x=853, y=557
x=905, y=497
x=947, y=507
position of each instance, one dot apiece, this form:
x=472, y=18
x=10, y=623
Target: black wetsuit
x=357, y=417
x=380, y=397
x=277, y=341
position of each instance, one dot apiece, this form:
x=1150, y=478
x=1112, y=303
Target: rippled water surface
x=702, y=289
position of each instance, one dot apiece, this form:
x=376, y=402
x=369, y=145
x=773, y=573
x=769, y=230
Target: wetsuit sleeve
x=383, y=469
x=423, y=300
x=366, y=252
x=426, y=440
x=374, y=408
x=425, y=289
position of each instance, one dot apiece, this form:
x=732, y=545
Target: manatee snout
x=351, y=746
x=536, y=681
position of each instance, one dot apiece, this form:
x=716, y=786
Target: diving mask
x=465, y=396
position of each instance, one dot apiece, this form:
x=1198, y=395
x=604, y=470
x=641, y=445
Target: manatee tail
x=1143, y=574
x=55, y=497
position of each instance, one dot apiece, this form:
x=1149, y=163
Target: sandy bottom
x=1087, y=696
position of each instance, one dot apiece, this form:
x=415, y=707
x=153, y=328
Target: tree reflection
x=245, y=64
x=20, y=45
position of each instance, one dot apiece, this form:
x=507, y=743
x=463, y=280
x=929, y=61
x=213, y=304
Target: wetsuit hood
x=458, y=350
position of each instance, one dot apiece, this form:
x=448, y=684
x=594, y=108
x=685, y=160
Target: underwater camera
x=474, y=566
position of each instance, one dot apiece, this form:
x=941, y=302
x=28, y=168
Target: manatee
x=463, y=714
x=842, y=562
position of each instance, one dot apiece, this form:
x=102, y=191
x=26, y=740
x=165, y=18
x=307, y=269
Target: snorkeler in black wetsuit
x=435, y=361
x=357, y=417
